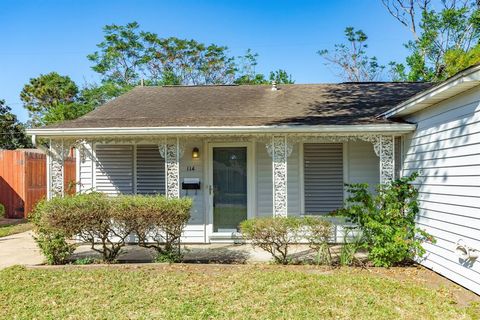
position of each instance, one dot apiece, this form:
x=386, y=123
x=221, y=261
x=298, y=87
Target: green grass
x=216, y=292
x=7, y=230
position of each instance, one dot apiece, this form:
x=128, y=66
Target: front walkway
x=20, y=249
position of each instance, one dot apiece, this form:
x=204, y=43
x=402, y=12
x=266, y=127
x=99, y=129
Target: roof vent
x=274, y=86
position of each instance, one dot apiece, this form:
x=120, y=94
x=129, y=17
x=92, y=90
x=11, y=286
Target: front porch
x=239, y=176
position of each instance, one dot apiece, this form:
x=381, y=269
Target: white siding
x=363, y=164
x=85, y=170
x=445, y=149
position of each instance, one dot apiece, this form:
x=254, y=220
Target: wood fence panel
x=23, y=180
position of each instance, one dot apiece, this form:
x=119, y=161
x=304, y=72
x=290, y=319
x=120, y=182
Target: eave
x=389, y=128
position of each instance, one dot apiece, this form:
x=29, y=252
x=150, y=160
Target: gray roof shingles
x=249, y=105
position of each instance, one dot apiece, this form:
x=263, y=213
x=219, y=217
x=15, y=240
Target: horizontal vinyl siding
x=323, y=177
x=85, y=178
x=445, y=150
x=114, y=169
x=150, y=170
x=264, y=182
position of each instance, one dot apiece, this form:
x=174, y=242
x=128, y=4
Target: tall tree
x=445, y=37
x=121, y=55
x=12, y=132
x=350, y=60
x=51, y=98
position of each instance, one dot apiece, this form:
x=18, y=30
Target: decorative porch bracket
x=279, y=150
x=171, y=151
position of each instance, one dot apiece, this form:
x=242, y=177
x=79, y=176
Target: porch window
x=150, y=170
x=323, y=177
x=114, y=169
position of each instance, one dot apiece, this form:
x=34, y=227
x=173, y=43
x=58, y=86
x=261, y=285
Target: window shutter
x=114, y=169
x=323, y=177
x=150, y=170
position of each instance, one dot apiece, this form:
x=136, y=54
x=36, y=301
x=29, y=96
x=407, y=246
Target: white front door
x=230, y=186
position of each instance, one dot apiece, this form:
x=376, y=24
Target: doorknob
x=210, y=189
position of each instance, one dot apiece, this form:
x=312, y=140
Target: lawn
x=9, y=229
x=218, y=292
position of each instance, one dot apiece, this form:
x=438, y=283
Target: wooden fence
x=23, y=180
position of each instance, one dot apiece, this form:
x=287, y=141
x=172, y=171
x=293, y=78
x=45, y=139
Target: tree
x=351, y=61
x=445, y=35
x=12, y=132
x=121, y=56
x=49, y=98
x=128, y=55
x=246, y=72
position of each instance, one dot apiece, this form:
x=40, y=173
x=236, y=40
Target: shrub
x=106, y=223
x=387, y=220
x=52, y=242
x=158, y=222
x=273, y=234
x=318, y=232
x=2, y=211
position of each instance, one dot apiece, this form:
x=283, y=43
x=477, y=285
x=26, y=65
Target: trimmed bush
x=274, y=235
x=158, y=222
x=3, y=213
x=387, y=221
x=106, y=223
x=52, y=242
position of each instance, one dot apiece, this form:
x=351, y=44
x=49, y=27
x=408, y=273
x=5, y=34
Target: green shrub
x=158, y=222
x=3, y=213
x=51, y=241
x=387, y=220
x=106, y=222
x=318, y=232
x=273, y=234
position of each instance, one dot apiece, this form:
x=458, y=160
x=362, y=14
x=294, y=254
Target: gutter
x=87, y=132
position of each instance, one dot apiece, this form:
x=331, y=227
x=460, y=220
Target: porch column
x=386, y=152
x=171, y=152
x=55, y=169
x=279, y=150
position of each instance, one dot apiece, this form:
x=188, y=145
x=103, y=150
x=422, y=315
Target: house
x=246, y=151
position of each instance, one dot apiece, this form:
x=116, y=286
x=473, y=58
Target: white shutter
x=150, y=170
x=323, y=177
x=114, y=169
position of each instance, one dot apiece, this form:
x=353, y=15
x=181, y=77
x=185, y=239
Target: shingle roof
x=249, y=105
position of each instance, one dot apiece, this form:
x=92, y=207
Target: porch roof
x=248, y=105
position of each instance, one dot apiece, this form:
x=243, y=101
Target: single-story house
x=248, y=151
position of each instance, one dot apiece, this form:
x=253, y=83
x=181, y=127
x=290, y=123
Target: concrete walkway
x=20, y=249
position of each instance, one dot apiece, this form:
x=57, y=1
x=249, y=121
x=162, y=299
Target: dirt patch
x=11, y=222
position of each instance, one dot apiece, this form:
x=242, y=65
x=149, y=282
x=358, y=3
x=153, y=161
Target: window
x=323, y=177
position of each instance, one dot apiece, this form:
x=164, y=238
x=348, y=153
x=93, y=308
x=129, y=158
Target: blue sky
x=42, y=36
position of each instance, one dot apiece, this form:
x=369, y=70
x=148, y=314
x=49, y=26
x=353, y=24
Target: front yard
x=13, y=226
x=180, y=291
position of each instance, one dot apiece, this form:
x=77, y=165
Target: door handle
x=210, y=189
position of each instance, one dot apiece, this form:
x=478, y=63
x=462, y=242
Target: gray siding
x=86, y=167
x=445, y=150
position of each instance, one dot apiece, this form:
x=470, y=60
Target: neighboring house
x=247, y=151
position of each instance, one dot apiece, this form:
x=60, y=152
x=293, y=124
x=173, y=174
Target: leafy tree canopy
x=127, y=55
x=12, y=132
x=350, y=60
x=445, y=33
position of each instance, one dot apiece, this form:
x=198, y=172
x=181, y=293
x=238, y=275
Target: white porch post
x=279, y=150
x=171, y=152
x=55, y=169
